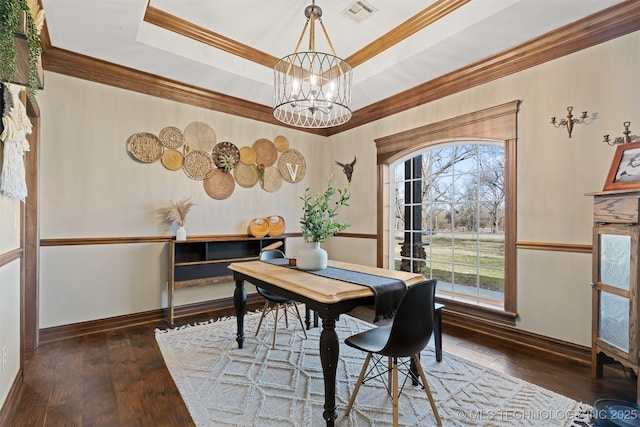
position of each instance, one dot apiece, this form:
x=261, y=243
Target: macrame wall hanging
x=16, y=126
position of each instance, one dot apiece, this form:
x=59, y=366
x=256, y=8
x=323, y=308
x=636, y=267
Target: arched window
x=447, y=208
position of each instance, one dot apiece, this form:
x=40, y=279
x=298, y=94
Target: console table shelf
x=200, y=262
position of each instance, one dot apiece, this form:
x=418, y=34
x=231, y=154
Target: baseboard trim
x=13, y=399
x=224, y=307
x=218, y=307
x=575, y=352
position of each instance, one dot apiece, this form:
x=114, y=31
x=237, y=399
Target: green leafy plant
x=10, y=11
x=319, y=213
x=227, y=162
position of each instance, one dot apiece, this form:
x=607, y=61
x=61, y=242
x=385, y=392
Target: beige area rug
x=256, y=386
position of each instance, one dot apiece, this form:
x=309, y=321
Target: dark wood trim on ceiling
x=616, y=21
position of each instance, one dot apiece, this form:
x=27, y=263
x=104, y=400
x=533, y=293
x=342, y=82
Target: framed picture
x=624, y=172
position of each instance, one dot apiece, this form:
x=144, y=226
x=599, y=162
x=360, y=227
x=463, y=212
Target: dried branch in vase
x=176, y=211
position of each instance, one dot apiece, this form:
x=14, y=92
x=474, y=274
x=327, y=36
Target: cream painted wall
x=554, y=172
x=9, y=294
x=91, y=188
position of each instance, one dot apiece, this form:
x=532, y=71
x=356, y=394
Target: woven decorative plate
x=247, y=155
x=171, y=137
x=246, y=175
x=145, y=146
x=292, y=165
x=219, y=185
x=197, y=164
x=199, y=136
x=172, y=159
x=225, y=149
x=272, y=180
x=266, y=152
x=281, y=143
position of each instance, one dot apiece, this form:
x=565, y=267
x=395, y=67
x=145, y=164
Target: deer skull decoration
x=348, y=168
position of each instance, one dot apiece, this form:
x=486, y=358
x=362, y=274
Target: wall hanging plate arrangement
x=247, y=155
x=172, y=159
x=219, y=184
x=199, y=136
x=292, y=165
x=225, y=148
x=281, y=143
x=266, y=152
x=246, y=175
x=197, y=164
x=145, y=146
x=171, y=137
x=272, y=180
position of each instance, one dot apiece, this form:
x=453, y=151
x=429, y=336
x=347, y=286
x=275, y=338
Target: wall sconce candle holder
x=570, y=121
x=626, y=139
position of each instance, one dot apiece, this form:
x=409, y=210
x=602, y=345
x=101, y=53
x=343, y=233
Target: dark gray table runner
x=387, y=292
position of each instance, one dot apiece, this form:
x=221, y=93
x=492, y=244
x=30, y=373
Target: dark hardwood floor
x=118, y=378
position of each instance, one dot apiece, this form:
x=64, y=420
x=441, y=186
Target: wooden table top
x=318, y=288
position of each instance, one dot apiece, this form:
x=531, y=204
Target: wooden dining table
x=326, y=296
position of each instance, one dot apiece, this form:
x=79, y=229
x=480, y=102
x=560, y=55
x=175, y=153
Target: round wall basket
x=266, y=152
x=145, y=147
x=292, y=165
x=199, y=136
x=219, y=184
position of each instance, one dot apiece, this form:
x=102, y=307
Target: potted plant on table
x=318, y=222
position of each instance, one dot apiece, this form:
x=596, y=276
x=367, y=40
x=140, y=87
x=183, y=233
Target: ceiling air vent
x=359, y=10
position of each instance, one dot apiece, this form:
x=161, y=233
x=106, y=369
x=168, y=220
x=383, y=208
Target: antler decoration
x=348, y=168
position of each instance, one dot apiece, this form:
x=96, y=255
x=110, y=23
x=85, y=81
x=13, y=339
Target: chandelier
x=312, y=89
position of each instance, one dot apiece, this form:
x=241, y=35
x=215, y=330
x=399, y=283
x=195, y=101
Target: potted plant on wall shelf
x=318, y=222
x=12, y=14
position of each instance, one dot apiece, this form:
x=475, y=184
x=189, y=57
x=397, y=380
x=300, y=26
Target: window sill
x=477, y=309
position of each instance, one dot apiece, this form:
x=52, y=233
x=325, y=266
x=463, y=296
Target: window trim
x=498, y=123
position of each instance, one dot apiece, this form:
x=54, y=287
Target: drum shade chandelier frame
x=312, y=89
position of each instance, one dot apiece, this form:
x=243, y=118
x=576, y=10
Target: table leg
x=307, y=317
x=240, y=302
x=437, y=333
x=329, y=353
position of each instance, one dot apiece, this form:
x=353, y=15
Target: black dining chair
x=276, y=304
x=406, y=336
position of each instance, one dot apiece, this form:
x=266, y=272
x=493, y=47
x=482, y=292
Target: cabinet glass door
x=614, y=309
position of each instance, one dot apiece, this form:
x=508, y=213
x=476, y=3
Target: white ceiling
x=114, y=31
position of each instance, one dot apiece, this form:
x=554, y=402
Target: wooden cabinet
x=616, y=255
x=198, y=262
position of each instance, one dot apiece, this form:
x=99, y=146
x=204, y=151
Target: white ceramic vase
x=181, y=234
x=311, y=257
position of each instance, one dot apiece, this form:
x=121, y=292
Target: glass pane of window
x=450, y=218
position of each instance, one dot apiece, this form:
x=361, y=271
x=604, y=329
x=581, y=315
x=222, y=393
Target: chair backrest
x=413, y=323
x=271, y=254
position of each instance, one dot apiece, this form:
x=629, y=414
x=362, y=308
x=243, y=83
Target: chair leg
x=395, y=391
x=275, y=327
x=264, y=311
x=416, y=359
x=295, y=306
x=363, y=371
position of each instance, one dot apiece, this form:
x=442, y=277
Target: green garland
x=9, y=16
